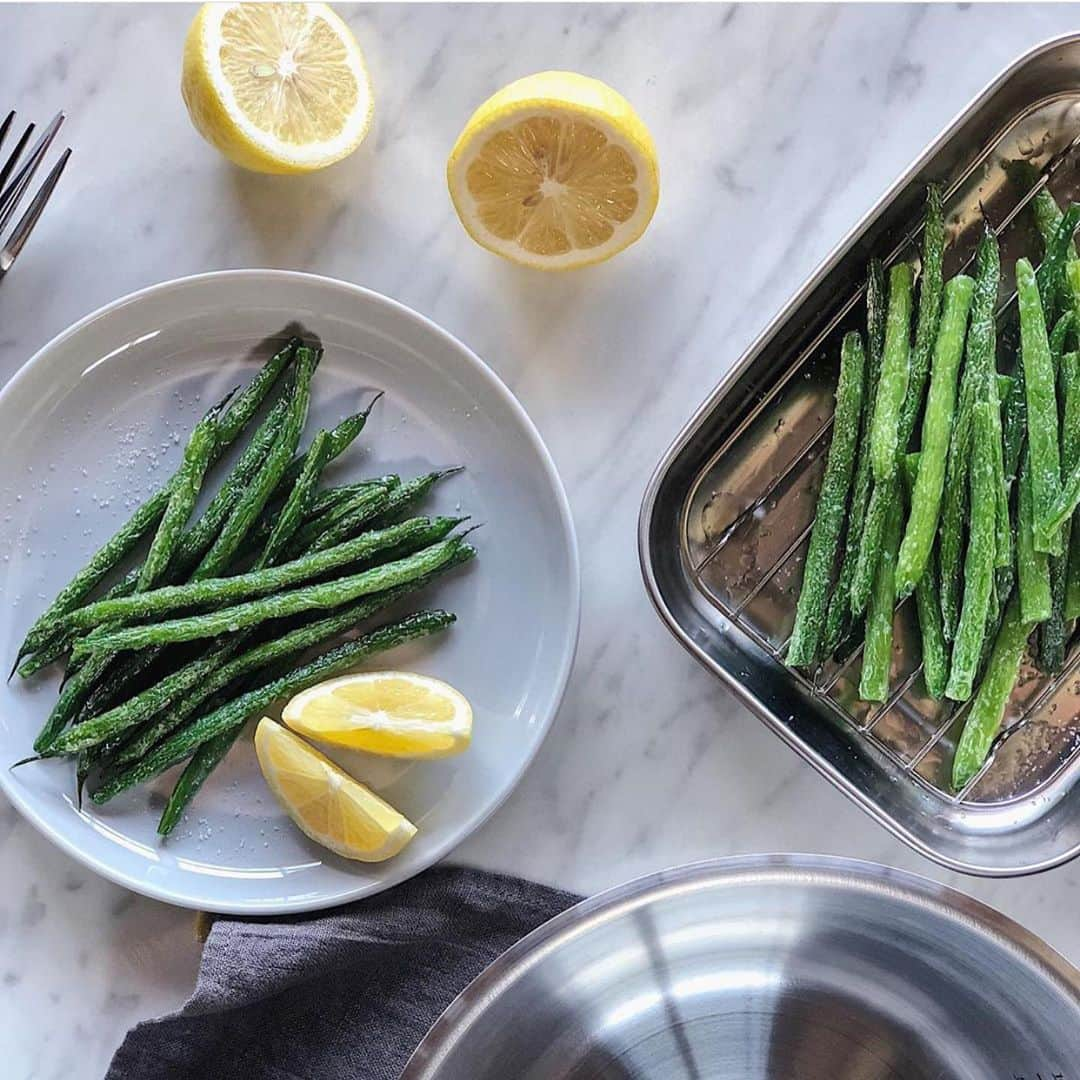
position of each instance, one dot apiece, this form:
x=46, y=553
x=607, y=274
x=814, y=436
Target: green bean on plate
x=220, y=615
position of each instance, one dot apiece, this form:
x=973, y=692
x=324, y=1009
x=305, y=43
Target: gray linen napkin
x=346, y=993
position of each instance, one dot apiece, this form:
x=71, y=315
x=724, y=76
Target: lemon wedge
x=278, y=88
x=393, y=713
x=325, y=801
x=555, y=171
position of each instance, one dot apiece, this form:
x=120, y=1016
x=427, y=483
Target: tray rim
x=716, y=396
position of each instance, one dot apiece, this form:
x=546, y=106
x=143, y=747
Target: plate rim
x=319, y=902
x=470, y=1004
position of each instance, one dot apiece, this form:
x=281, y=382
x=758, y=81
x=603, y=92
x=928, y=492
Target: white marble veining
x=777, y=127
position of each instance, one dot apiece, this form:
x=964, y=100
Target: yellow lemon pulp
x=276, y=87
x=555, y=171
x=395, y=714
x=325, y=802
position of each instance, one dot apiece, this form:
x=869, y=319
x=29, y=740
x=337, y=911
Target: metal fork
x=15, y=180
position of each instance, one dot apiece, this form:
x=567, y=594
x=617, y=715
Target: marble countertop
x=777, y=128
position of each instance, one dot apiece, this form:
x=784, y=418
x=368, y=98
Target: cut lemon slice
x=393, y=713
x=278, y=88
x=555, y=171
x=325, y=801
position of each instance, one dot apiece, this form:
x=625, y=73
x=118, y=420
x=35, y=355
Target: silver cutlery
x=16, y=174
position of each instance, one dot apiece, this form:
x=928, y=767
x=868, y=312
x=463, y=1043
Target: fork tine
x=11, y=195
x=27, y=222
x=12, y=160
x=8, y=120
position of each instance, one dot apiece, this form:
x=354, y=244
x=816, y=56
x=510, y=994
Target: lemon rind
x=620, y=125
x=396, y=839
x=236, y=136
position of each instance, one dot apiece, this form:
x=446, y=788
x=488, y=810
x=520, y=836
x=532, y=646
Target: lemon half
x=325, y=801
x=278, y=88
x=555, y=171
x=393, y=713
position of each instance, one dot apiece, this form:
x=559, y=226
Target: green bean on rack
x=930, y=306
x=1070, y=452
x=1044, y=457
x=893, y=381
x=1014, y=421
x=877, y=644
x=185, y=742
x=979, y=369
x=988, y=708
x=839, y=614
x=935, y=649
x=922, y=523
x=885, y=436
x=979, y=562
x=1050, y=276
x=1033, y=574
x=982, y=348
x=1047, y=214
x=831, y=504
x=1053, y=634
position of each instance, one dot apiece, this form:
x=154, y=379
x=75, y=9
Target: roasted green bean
x=341, y=438
x=398, y=501
x=922, y=524
x=979, y=562
x=329, y=594
x=254, y=583
x=1044, y=457
x=250, y=503
x=1033, y=573
x=839, y=614
x=345, y=519
x=984, y=718
x=935, y=649
x=930, y=306
x=877, y=644
x=1070, y=459
x=1050, y=276
x=297, y=640
x=292, y=513
x=831, y=504
x=893, y=381
x=114, y=550
x=183, y=494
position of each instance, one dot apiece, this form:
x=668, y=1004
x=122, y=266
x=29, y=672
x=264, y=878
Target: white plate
x=98, y=418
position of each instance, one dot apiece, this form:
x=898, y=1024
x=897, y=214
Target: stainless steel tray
x=726, y=517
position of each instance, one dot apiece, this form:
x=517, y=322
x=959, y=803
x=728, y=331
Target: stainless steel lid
x=787, y=967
